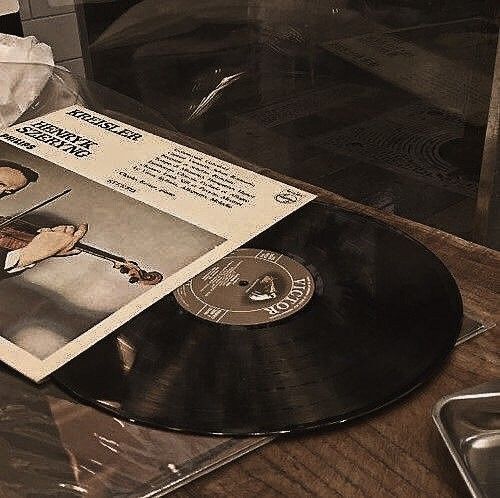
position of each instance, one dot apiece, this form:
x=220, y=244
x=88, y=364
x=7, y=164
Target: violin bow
x=34, y=208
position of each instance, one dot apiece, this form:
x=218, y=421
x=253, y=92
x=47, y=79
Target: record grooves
x=325, y=317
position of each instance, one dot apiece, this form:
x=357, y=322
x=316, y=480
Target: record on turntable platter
x=325, y=317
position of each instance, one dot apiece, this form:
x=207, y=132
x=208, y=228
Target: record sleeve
x=51, y=445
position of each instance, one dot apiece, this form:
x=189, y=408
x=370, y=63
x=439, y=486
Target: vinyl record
x=325, y=317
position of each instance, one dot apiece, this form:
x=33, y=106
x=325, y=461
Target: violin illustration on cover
x=16, y=233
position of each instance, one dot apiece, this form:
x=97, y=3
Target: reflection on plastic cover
x=49, y=443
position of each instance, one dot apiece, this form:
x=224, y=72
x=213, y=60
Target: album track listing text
x=184, y=170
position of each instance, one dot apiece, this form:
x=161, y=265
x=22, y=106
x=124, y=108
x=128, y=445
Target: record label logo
x=248, y=287
x=287, y=197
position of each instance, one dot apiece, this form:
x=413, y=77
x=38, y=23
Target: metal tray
x=469, y=422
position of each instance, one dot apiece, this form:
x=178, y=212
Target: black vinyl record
x=381, y=314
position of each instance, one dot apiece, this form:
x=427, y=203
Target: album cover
x=101, y=219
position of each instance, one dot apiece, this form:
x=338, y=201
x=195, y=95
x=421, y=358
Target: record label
x=248, y=287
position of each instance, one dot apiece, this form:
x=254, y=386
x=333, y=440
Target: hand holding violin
x=57, y=241
x=36, y=244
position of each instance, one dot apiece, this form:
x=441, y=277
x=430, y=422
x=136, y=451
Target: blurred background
x=386, y=102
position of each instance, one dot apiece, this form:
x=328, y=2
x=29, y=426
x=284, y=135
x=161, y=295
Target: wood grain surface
x=398, y=451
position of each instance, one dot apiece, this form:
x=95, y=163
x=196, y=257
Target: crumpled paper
x=25, y=67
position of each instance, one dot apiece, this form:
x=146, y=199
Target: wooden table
x=398, y=451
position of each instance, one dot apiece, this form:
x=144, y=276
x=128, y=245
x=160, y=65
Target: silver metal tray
x=469, y=422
